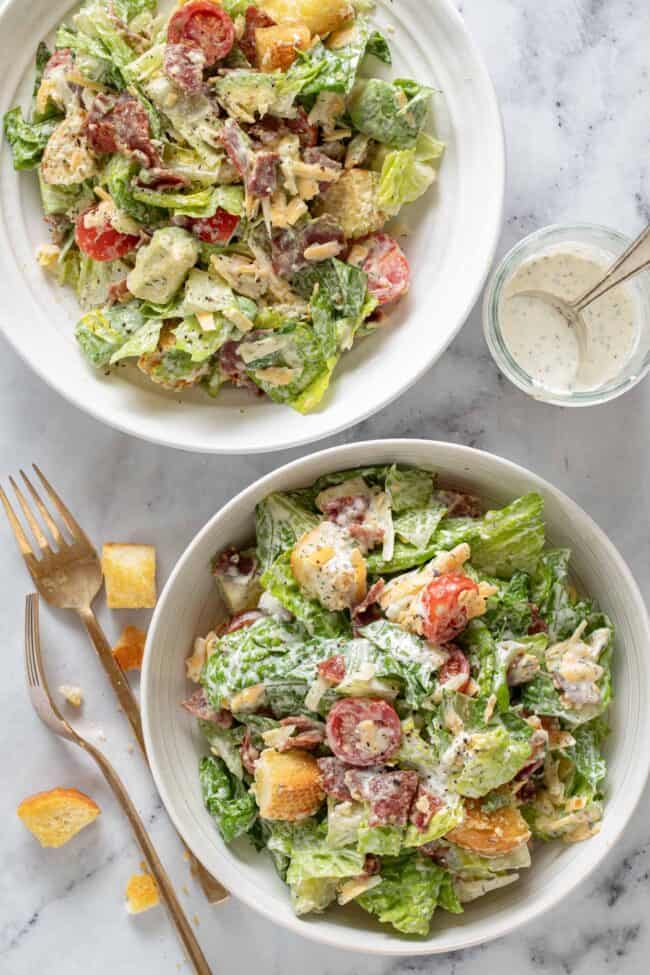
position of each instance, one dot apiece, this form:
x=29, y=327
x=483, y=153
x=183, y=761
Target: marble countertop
x=572, y=77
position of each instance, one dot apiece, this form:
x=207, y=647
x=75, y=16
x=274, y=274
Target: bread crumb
x=141, y=893
x=54, y=817
x=186, y=855
x=195, y=919
x=185, y=889
x=129, y=649
x=129, y=748
x=72, y=694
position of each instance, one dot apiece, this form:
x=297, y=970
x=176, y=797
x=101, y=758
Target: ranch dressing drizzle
x=538, y=336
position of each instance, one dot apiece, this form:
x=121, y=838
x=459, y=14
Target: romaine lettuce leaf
x=101, y=333
x=510, y=538
x=442, y=822
x=311, y=895
x=141, y=342
x=117, y=176
x=203, y=202
x=509, y=611
x=550, y=591
x=406, y=174
x=401, y=655
x=587, y=756
x=280, y=581
x=27, y=140
x=344, y=820
x=379, y=48
x=409, y=488
x=296, y=354
x=383, y=840
x=197, y=343
x=94, y=280
x=491, y=758
x=417, y=527
x=280, y=521
x=225, y=743
x=392, y=113
x=69, y=200
x=322, y=69
x=339, y=302
x=226, y=799
x=408, y=894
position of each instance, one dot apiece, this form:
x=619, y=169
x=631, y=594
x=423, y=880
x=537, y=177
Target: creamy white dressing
x=540, y=339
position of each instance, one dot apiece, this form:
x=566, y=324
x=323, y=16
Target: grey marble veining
x=572, y=76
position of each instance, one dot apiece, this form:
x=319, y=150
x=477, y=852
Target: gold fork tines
x=50, y=715
x=70, y=577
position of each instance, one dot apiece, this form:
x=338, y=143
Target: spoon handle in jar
x=633, y=260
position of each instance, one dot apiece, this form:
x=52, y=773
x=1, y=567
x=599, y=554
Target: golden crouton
x=321, y=17
x=141, y=893
x=352, y=201
x=490, y=834
x=129, y=649
x=277, y=46
x=54, y=817
x=329, y=567
x=130, y=575
x=287, y=784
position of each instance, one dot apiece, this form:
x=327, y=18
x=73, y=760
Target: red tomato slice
x=363, y=746
x=457, y=663
x=203, y=24
x=445, y=618
x=217, y=229
x=102, y=243
x=387, y=268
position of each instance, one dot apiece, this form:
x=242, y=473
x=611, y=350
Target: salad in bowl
x=217, y=183
x=405, y=696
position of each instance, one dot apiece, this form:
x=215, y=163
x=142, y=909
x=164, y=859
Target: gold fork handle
x=114, y=673
x=158, y=872
x=213, y=890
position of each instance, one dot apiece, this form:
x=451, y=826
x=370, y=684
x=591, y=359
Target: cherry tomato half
x=204, y=25
x=217, y=229
x=102, y=242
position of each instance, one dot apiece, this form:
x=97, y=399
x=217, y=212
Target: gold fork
x=50, y=715
x=70, y=578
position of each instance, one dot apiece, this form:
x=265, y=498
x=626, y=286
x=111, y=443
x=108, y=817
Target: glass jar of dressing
x=536, y=348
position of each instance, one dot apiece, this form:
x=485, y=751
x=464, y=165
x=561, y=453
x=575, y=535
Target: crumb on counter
x=130, y=575
x=141, y=893
x=72, y=694
x=129, y=649
x=57, y=815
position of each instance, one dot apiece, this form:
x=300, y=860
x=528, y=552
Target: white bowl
x=187, y=607
x=454, y=235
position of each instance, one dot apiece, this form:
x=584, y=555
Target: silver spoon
x=636, y=258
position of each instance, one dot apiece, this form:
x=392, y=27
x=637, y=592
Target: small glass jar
x=606, y=243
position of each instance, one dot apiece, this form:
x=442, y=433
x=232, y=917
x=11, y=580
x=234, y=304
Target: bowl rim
x=145, y=429
x=341, y=457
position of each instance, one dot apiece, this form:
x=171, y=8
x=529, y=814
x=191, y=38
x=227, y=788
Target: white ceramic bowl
x=454, y=235
x=187, y=607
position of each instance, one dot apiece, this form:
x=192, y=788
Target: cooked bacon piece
x=333, y=778
x=302, y=127
x=233, y=366
x=455, y=665
x=236, y=144
x=231, y=562
x=318, y=157
x=242, y=620
x=363, y=731
x=389, y=794
x=254, y=18
x=269, y=129
x=445, y=616
x=200, y=707
x=346, y=510
x=118, y=291
x=262, y=175
x=288, y=246
x=537, y=624
x=368, y=536
x=371, y=865
x=424, y=808
x=183, y=64
x=367, y=610
x=310, y=734
x=459, y=504
x=161, y=179
x=249, y=753
x=332, y=670
x=121, y=124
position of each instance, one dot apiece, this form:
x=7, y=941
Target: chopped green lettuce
x=280, y=521
x=197, y=343
x=143, y=341
x=409, y=488
x=396, y=654
x=382, y=840
x=344, y=820
x=203, y=202
x=555, y=600
x=225, y=743
x=339, y=302
x=379, y=48
x=280, y=581
x=27, y=140
x=229, y=803
x=586, y=755
x=408, y=173
x=409, y=892
x=322, y=69
x=392, y=113
x=294, y=352
x=417, y=527
x=101, y=333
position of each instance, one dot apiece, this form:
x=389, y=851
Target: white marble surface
x=572, y=77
